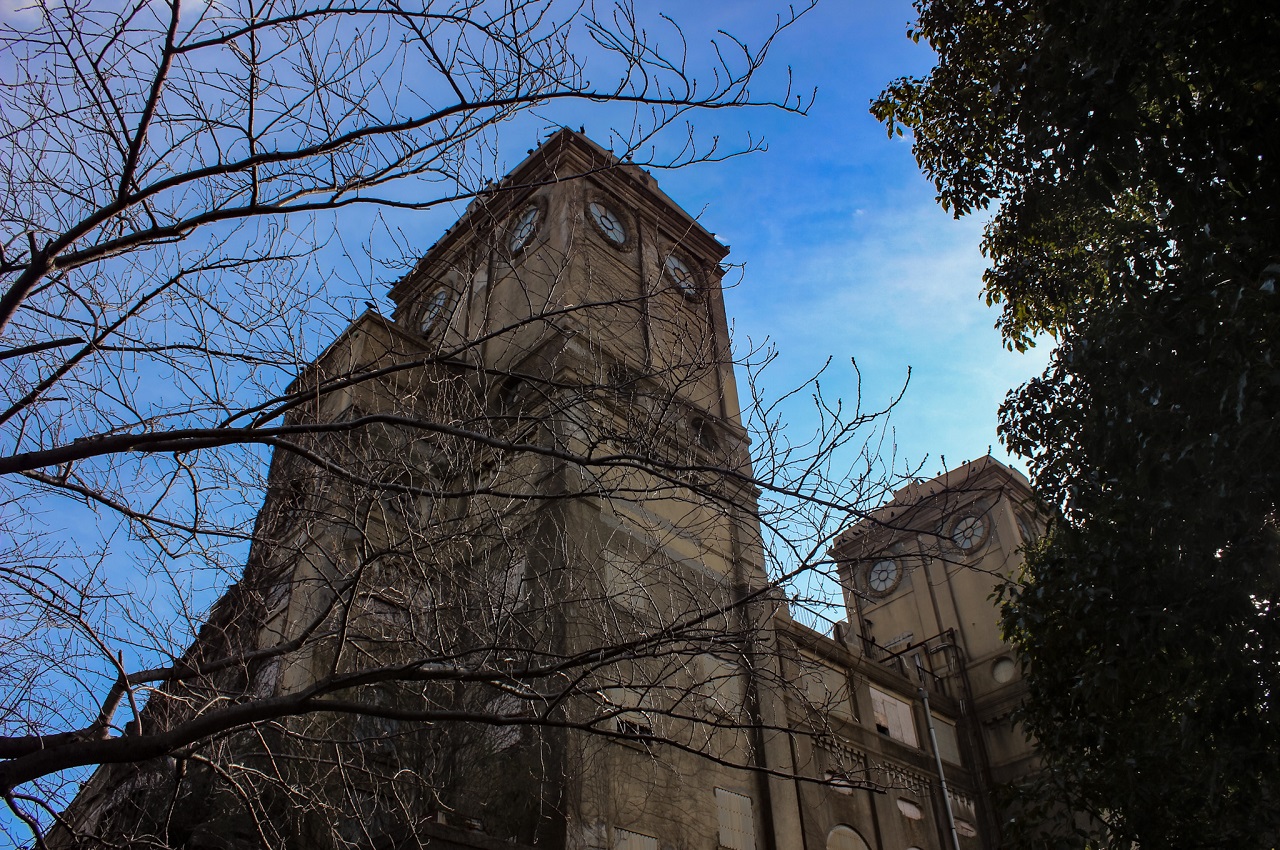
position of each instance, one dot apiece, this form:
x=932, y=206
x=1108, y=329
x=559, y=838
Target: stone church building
x=509, y=587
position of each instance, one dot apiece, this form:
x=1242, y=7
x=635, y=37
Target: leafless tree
x=173, y=176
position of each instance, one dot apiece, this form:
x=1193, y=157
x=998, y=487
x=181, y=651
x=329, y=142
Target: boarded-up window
x=910, y=810
x=625, y=839
x=629, y=573
x=948, y=743
x=508, y=589
x=737, y=827
x=721, y=683
x=845, y=838
x=839, y=782
x=503, y=736
x=827, y=689
x=893, y=718
x=634, y=724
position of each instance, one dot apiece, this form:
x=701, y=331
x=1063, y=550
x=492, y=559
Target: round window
x=969, y=532
x=1003, y=669
x=523, y=228
x=437, y=303
x=704, y=433
x=609, y=223
x=1025, y=528
x=682, y=276
x=883, y=576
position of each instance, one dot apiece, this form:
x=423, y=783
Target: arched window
x=844, y=838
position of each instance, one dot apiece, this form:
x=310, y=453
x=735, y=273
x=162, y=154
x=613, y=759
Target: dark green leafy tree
x=1131, y=153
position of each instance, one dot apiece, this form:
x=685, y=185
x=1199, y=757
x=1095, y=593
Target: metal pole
x=937, y=757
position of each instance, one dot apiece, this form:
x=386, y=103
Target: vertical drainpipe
x=937, y=757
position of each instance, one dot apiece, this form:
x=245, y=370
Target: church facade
x=509, y=586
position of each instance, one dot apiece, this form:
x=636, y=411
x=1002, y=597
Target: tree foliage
x=1129, y=151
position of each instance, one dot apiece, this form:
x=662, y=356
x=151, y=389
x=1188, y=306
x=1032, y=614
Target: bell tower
x=588, y=306
x=577, y=285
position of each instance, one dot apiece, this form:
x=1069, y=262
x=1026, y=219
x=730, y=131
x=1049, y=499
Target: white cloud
x=901, y=289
